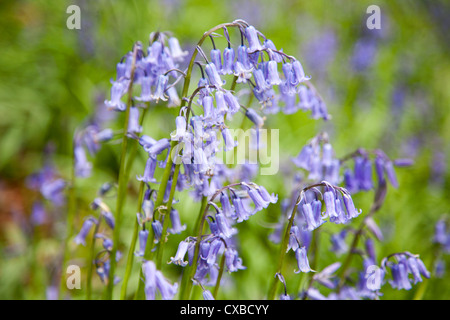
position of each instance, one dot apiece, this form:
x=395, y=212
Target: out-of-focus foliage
x=52, y=78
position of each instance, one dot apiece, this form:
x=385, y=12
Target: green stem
x=160, y=249
x=71, y=210
x=187, y=274
x=123, y=183
x=91, y=263
x=132, y=248
x=348, y=259
x=283, y=248
x=219, y=276
x=130, y=259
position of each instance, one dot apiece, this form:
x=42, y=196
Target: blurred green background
x=52, y=79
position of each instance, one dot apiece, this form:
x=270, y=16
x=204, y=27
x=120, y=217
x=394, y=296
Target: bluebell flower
x=299, y=74
x=175, y=49
x=390, y=172
x=253, y=42
x=215, y=248
x=149, y=171
x=228, y=61
x=440, y=232
x=242, y=72
x=159, y=147
x=254, y=117
x=83, y=167
x=268, y=44
x=302, y=260
x=177, y=227
x=232, y=260
x=207, y=295
x=146, y=90
x=157, y=230
x=216, y=58
x=180, y=129
x=208, y=108
x=243, y=58
x=241, y=213
x=160, y=89
x=133, y=121
x=118, y=89
x=349, y=205
x=213, y=75
x=53, y=190
x=174, y=98
x=325, y=276
x=310, y=213
x=38, y=214
x=108, y=217
x=180, y=254
x=338, y=244
x=232, y=103
x=154, y=280
x=143, y=236
x=85, y=228
x=399, y=277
